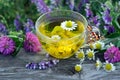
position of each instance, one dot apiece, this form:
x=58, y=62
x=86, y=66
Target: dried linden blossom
x=68, y=25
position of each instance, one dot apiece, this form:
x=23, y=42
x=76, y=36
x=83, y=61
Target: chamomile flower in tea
x=56, y=37
x=65, y=38
x=69, y=25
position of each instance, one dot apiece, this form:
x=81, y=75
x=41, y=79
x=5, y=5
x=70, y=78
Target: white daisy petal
x=99, y=45
x=90, y=54
x=68, y=25
x=80, y=55
x=98, y=64
x=108, y=67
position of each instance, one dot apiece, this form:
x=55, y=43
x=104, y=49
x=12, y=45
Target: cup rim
x=48, y=38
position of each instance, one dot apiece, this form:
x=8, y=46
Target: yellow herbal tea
x=64, y=38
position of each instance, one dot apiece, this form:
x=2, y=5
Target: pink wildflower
x=7, y=45
x=31, y=43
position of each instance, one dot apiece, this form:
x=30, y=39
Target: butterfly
x=93, y=34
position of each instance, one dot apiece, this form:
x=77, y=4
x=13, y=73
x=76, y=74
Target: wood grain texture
x=13, y=68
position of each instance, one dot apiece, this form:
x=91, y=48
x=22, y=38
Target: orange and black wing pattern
x=93, y=34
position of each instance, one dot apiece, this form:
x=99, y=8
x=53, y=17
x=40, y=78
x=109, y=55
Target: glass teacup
x=61, y=33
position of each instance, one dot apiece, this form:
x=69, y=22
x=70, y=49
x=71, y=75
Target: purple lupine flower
x=112, y=54
x=95, y=20
x=85, y=1
x=106, y=16
x=29, y=25
x=71, y=4
x=7, y=45
x=82, y=2
x=54, y=4
x=42, y=65
x=109, y=28
x=3, y=29
x=31, y=43
x=103, y=5
x=17, y=23
x=41, y=6
x=88, y=11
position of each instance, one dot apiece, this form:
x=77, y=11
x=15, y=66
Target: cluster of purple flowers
x=3, y=29
x=31, y=44
x=112, y=54
x=107, y=19
x=41, y=6
x=42, y=65
x=28, y=26
x=90, y=16
x=17, y=23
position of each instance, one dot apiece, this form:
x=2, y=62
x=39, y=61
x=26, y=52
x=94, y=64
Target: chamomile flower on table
x=68, y=25
x=98, y=64
x=90, y=54
x=78, y=67
x=109, y=67
x=99, y=45
x=91, y=45
x=80, y=55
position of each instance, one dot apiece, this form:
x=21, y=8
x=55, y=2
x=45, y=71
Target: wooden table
x=13, y=68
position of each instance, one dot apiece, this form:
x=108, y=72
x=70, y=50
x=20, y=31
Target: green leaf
x=116, y=25
x=17, y=49
x=113, y=35
x=118, y=44
x=105, y=32
x=108, y=3
x=16, y=39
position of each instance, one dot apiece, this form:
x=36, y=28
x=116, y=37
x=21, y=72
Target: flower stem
x=4, y=20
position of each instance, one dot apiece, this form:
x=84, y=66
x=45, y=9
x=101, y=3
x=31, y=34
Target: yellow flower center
x=97, y=64
x=80, y=55
x=78, y=68
x=108, y=67
x=91, y=46
x=69, y=24
x=90, y=55
x=98, y=46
